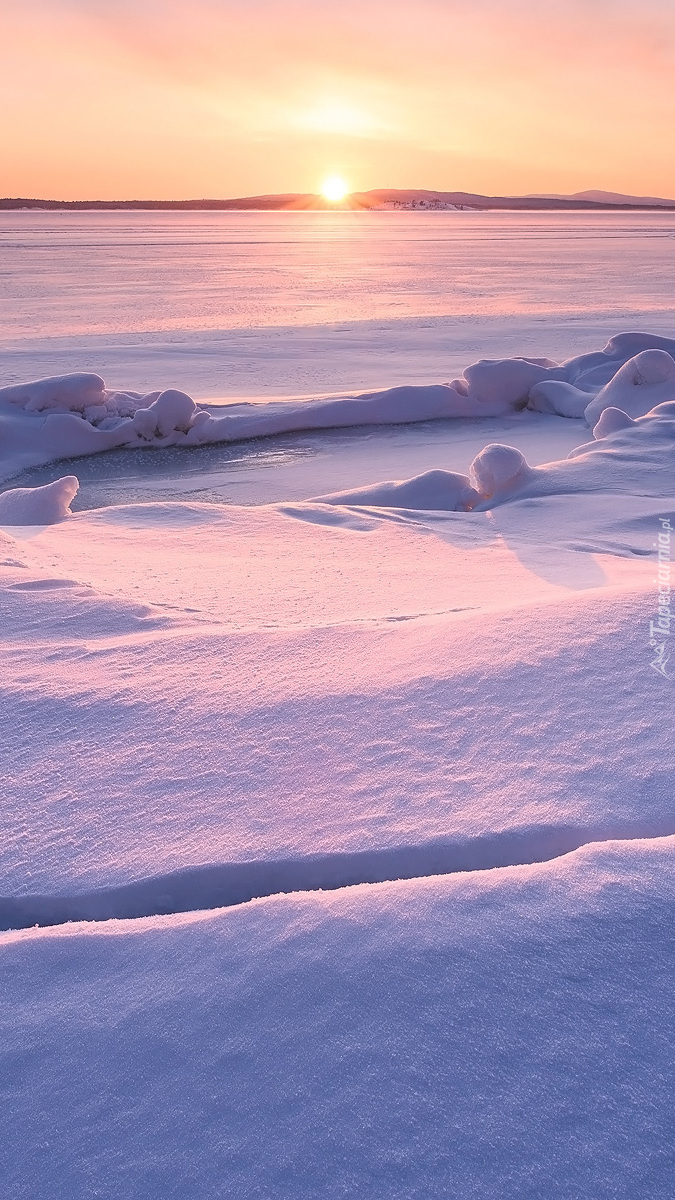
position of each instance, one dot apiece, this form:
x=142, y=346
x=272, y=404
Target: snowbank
x=626, y=456
x=72, y=415
x=640, y=385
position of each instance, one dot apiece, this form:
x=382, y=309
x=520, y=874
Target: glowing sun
x=334, y=189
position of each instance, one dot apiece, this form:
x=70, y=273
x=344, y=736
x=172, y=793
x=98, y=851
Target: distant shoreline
x=388, y=200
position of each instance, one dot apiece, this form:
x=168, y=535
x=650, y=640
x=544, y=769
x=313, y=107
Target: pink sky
x=163, y=98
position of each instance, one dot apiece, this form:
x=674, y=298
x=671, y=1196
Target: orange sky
x=169, y=99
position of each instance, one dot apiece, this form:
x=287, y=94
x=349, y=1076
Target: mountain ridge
x=376, y=198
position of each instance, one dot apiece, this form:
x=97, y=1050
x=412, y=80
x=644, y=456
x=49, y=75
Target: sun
x=334, y=189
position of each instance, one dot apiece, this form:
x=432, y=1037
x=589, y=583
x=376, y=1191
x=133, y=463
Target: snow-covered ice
x=337, y=822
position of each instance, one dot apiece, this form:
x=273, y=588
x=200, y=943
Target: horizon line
x=361, y=200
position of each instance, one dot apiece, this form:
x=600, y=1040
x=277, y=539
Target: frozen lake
x=69, y=274
x=240, y=304
x=252, y=304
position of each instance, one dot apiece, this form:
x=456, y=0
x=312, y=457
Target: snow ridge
x=230, y=884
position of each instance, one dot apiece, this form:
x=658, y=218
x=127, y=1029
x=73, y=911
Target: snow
x=641, y=384
x=500, y=1034
x=336, y=803
x=440, y=490
x=38, y=506
x=381, y=594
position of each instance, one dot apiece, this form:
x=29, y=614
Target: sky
x=176, y=99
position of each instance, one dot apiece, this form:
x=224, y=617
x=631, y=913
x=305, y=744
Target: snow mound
x=38, y=506
x=504, y=384
x=171, y=411
x=498, y=471
x=496, y=474
x=611, y=420
x=560, y=398
x=638, y=386
x=58, y=393
x=435, y=490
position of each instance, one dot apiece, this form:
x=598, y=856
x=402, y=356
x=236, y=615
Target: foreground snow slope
x=504, y=1034
x=188, y=685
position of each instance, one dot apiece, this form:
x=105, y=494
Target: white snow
x=381, y=594
x=338, y=830
x=440, y=490
x=38, y=506
x=293, y=674
x=643, y=382
x=505, y=1035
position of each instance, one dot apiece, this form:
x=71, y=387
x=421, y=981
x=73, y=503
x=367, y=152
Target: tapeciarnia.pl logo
x=660, y=629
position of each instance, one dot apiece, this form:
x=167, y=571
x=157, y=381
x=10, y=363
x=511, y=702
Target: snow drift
x=71, y=415
x=439, y=490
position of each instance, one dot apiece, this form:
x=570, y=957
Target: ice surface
x=293, y=466
x=161, y=276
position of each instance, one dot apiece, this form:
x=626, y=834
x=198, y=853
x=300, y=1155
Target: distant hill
x=405, y=198
x=613, y=198
x=258, y=202
x=419, y=198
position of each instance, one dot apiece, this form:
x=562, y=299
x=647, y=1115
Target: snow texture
x=382, y=597
x=503, y=1035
